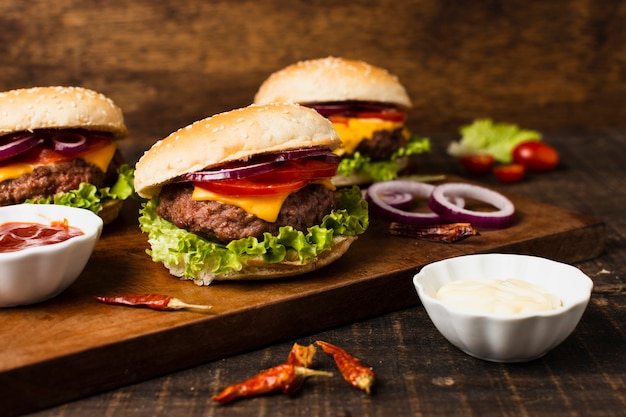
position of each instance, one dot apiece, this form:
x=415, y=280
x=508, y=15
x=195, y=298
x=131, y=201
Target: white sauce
x=510, y=296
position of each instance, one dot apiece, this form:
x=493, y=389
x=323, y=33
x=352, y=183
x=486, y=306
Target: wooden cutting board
x=73, y=346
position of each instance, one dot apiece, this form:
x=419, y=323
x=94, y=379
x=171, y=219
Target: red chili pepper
x=351, y=368
x=437, y=233
x=286, y=378
x=301, y=355
x=153, y=301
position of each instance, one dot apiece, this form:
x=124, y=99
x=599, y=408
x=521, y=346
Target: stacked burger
x=246, y=194
x=59, y=145
x=367, y=106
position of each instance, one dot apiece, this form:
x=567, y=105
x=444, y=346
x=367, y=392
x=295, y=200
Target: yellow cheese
x=100, y=158
x=265, y=207
x=353, y=130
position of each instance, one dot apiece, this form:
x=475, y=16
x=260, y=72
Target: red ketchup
x=15, y=236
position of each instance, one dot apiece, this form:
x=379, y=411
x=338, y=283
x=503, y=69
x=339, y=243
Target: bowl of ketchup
x=43, y=249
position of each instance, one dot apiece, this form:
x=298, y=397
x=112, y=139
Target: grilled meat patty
x=383, y=144
x=224, y=222
x=47, y=180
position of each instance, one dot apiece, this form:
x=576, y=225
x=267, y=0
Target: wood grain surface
x=72, y=335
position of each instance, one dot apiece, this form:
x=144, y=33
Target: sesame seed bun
x=59, y=108
x=332, y=79
x=232, y=136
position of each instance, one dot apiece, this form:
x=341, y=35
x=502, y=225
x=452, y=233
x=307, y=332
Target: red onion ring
x=17, y=146
x=377, y=192
x=348, y=108
x=260, y=165
x=69, y=142
x=230, y=173
x=440, y=203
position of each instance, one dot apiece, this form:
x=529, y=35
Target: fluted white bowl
x=39, y=273
x=505, y=337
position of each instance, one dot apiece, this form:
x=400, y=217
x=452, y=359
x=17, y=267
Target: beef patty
x=225, y=222
x=47, y=180
x=382, y=144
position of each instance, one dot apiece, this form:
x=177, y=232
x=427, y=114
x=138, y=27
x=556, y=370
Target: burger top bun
x=59, y=108
x=332, y=79
x=232, y=136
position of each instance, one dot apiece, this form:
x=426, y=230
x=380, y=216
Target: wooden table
x=418, y=372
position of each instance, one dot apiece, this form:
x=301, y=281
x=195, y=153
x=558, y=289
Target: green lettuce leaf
x=496, y=139
x=188, y=253
x=358, y=164
x=89, y=197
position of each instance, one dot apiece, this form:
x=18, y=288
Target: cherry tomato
x=536, y=156
x=509, y=173
x=478, y=164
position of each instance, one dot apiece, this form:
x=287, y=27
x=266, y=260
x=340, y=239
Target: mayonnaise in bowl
x=497, y=296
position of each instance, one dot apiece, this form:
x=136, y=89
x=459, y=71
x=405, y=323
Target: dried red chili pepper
x=301, y=355
x=286, y=378
x=437, y=233
x=351, y=368
x=153, y=301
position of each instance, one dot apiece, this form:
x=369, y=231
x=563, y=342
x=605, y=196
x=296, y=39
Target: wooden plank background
x=552, y=65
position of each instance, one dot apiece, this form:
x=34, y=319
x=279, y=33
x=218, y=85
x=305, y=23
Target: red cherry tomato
x=536, y=156
x=478, y=164
x=509, y=173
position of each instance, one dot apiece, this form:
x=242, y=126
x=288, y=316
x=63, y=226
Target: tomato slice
x=289, y=176
x=248, y=187
x=299, y=169
x=43, y=154
x=509, y=173
x=389, y=115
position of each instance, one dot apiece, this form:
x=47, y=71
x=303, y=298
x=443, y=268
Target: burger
x=246, y=194
x=59, y=145
x=367, y=106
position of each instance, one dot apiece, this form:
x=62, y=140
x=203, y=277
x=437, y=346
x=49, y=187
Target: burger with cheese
x=367, y=107
x=246, y=195
x=59, y=145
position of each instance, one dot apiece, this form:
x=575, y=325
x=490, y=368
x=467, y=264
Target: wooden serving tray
x=73, y=346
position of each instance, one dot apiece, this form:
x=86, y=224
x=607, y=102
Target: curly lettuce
x=89, y=197
x=359, y=164
x=177, y=247
x=496, y=139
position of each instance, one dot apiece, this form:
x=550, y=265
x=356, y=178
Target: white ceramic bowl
x=505, y=337
x=39, y=273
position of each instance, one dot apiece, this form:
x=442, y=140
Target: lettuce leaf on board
x=382, y=170
x=496, y=139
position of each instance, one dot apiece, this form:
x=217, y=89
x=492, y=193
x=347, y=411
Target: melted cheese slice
x=265, y=207
x=100, y=157
x=354, y=130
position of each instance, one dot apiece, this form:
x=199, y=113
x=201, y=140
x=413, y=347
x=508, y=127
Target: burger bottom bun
x=256, y=268
x=110, y=211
